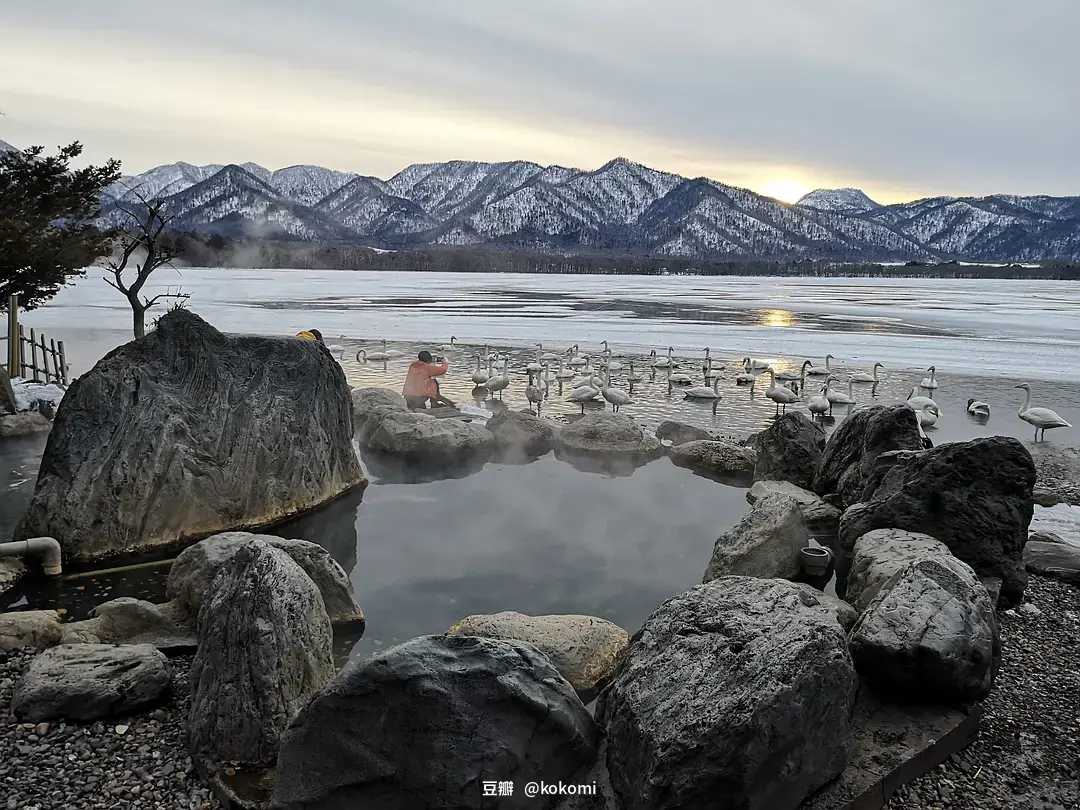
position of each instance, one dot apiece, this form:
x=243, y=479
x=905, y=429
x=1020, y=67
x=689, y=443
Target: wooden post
x=22, y=351
x=63, y=364
x=14, y=370
x=33, y=354
x=55, y=359
x=45, y=358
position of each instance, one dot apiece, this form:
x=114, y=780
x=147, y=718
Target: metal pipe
x=47, y=548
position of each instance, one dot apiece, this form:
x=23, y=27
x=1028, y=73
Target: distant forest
x=202, y=250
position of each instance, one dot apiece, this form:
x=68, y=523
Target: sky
x=781, y=96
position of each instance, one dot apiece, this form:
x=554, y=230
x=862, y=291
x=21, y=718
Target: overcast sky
x=903, y=100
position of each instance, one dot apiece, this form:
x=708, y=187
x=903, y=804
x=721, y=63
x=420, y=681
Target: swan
x=976, y=407
x=534, y=393
x=609, y=364
x=364, y=355
x=818, y=403
x=390, y=352
x=449, y=347
x=839, y=397
x=633, y=376
x=780, y=394
x=863, y=377
x=564, y=373
x=479, y=377
x=663, y=362
x=583, y=394
x=704, y=391
x=1040, y=418
x=930, y=383
x=680, y=378
x=747, y=377
x=616, y=396
x=927, y=416
x=918, y=402
x=547, y=357
x=575, y=360
x=712, y=371
x=822, y=372
x=500, y=382
x=752, y=364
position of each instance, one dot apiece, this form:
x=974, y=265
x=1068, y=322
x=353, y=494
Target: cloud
x=973, y=96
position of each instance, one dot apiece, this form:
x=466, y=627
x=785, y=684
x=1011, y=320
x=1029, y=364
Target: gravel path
x=1027, y=754
x=133, y=762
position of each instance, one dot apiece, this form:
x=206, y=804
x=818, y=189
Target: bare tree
x=143, y=234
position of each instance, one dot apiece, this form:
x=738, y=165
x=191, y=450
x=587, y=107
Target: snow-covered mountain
x=845, y=200
x=621, y=206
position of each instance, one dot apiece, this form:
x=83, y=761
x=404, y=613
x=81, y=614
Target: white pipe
x=47, y=548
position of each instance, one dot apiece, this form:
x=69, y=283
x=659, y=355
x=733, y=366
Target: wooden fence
x=35, y=357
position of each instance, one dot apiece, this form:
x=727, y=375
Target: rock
x=265, y=647
x=973, y=496
x=606, y=436
x=422, y=439
x=716, y=459
x=676, y=433
x=37, y=629
x=91, y=681
x=737, y=694
x=370, y=405
x=833, y=606
x=523, y=433
x=854, y=446
x=26, y=423
x=187, y=432
x=764, y=543
x=584, y=649
x=1044, y=537
x=790, y=449
x=133, y=621
x=929, y=634
x=7, y=394
x=424, y=723
x=12, y=569
x=1057, y=560
x=821, y=518
x=881, y=554
x=195, y=568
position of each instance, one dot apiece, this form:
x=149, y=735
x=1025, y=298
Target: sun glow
x=785, y=189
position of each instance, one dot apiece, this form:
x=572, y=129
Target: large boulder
x=716, y=459
x=830, y=605
x=605, y=436
x=764, y=543
x=91, y=681
x=524, y=433
x=36, y=629
x=854, y=446
x=676, y=433
x=1058, y=560
x=126, y=620
x=973, y=496
x=26, y=423
x=195, y=568
x=265, y=647
x=881, y=554
x=370, y=405
x=736, y=694
x=421, y=439
x=187, y=432
x=790, y=449
x=423, y=724
x=584, y=649
x=930, y=634
x=821, y=517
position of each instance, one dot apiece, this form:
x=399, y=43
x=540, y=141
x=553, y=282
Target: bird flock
x=581, y=378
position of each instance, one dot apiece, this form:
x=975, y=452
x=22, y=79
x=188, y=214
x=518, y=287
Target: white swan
x=752, y=364
x=633, y=376
x=704, y=391
x=712, y=371
x=663, y=362
x=583, y=394
x=746, y=377
x=819, y=404
x=534, y=394
x=918, y=402
x=839, y=397
x=976, y=407
x=479, y=377
x=449, y=347
x=500, y=382
x=930, y=383
x=575, y=360
x=780, y=394
x=1040, y=418
x=564, y=373
x=616, y=396
x=822, y=372
x=864, y=377
x=927, y=416
x=547, y=357
x=680, y=378
x=364, y=355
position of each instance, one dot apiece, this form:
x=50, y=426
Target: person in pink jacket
x=420, y=383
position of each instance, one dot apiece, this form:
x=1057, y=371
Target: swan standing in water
x=364, y=355
x=712, y=372
x=822, y=372
x=663, y=362
x=1040, y=418
x=547, y=357
x=918, y=402
x=746, y=377
x=574, y=360
x=839, y=397
x=864, y=377
x=501, y=382
x=616, y=396
x=818, y=403
x=479, y=377
x=564, y=373
x=780, y=394
x=976, y=407
x=584, y=393
x=930, y=383
x=704, y=391
x=534, y=393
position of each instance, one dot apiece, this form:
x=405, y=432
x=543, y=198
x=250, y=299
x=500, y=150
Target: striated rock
x=523, y=433
x=133, y=621
x=975, y=497
x=716, y=459
x=474, y=709
x=90, y=681
x=1058, y=560
x=735, y=694
x=369, y=405
x=853, y=448
x=821, y=517
x=27, y=423
x=419, y=438
x=584, y=649
x=929, y=634
x=834, y=606
x=676, y=433
x=764, y=543
x=265, y=647
x=193, y=571
x=29, y=628
x=790, y=449
x=189, y=431
x=881, y=554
